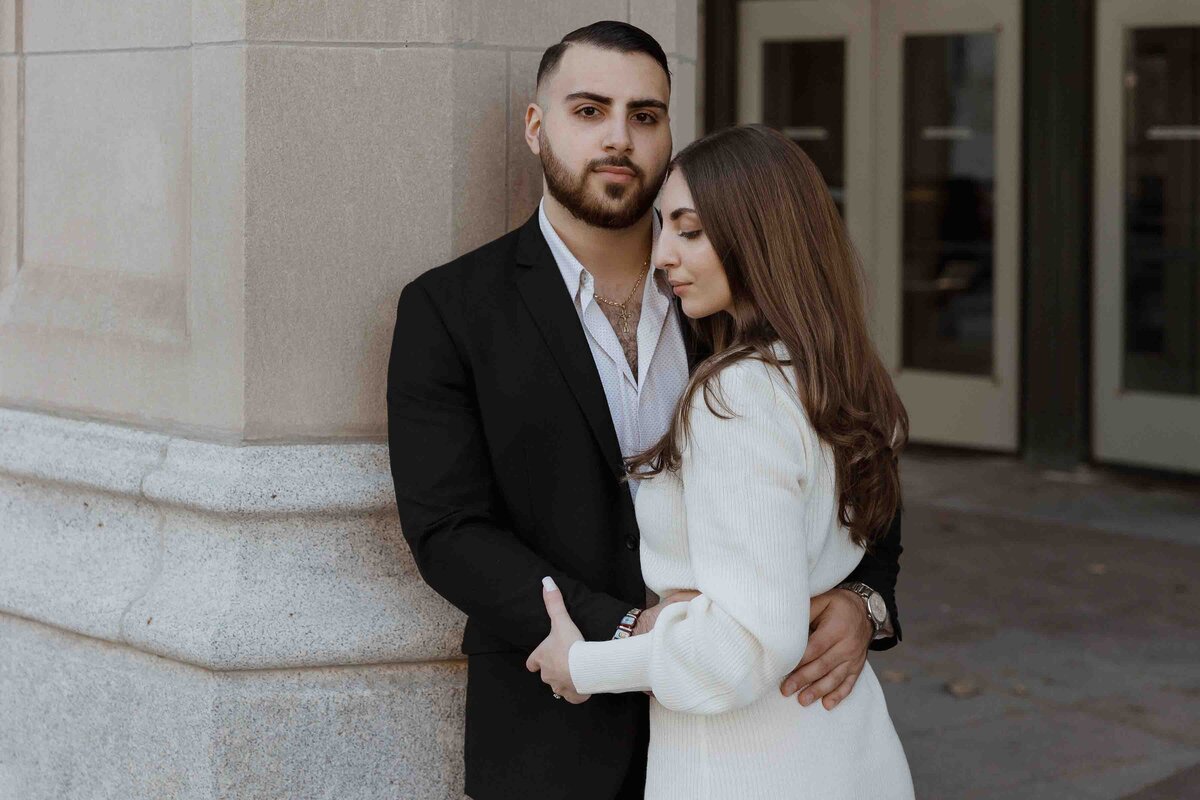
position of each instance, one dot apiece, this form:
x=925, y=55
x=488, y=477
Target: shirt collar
x=573, y=272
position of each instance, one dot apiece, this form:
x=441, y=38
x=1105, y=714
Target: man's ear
x=533, y=126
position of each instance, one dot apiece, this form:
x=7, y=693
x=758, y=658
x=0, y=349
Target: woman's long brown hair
x=794, y=276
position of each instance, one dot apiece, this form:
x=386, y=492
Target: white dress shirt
x=641, y=406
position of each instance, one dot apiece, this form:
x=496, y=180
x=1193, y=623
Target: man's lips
x=617, y=173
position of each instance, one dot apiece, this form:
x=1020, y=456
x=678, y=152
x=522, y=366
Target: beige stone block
x=530, y=23
x=218, y=21
x=106, y=161
x=513, y=23
x=9, y=132
x=356, y=159
x=217, y=279
x=107, y=317
x=683, y=103
x=8, y=26
x=524, y=169
x=350, y=20
x=53, y=25
x=673, y=23
x=479, y=130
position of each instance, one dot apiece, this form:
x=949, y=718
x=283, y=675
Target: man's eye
x=588, y=111
x=690, y=234
x=643, y=117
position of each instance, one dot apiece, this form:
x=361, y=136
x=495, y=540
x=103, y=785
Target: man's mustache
x=615, y=161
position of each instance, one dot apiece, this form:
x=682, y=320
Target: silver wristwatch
x=876, y=608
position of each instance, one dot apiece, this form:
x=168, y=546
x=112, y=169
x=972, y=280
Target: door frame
x=1130, y=426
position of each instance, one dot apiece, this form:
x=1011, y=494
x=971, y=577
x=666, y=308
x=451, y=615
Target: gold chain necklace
x=623, y=308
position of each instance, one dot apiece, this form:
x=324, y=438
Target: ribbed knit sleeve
x=745, y=494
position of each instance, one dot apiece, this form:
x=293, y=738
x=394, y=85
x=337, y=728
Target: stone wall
x=207, y=211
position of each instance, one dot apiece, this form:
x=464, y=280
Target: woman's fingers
x=553, y=599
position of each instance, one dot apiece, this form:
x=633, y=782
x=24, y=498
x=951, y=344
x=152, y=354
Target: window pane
x=1162, y=202
x=949, y=179
x=804, y=91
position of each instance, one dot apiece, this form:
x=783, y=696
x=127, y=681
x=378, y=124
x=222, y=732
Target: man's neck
x=610, y=254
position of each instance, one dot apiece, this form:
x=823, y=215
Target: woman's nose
x=664, y=258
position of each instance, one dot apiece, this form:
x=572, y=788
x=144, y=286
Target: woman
x=778, y=469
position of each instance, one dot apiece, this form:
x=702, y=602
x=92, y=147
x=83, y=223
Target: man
x=521, y=374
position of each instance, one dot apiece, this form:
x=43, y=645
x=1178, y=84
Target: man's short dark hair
x=607, y=35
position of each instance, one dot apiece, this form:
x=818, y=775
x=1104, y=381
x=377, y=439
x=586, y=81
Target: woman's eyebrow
x=679, y=212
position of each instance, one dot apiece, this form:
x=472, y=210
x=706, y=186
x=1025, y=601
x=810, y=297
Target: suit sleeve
x=446, y=495
x=878, y=569
x=749, y=626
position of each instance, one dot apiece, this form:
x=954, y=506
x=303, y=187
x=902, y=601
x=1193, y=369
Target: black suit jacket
x=507, y=468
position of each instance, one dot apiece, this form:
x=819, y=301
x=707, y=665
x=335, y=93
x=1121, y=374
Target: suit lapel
x=541, y=287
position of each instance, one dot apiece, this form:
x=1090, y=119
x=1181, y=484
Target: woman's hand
x=550, y=657
x=645, y=621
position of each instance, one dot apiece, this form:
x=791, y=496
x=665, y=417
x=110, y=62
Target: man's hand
x=839, y=633
x=645, y=621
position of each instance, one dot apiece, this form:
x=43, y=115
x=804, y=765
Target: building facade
x=208, y=209
x=1020, y=177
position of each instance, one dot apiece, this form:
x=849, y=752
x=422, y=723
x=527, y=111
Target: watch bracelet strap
x=863, y=591
x=625, y=628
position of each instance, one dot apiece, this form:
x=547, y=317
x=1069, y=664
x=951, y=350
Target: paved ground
x=1052, y=633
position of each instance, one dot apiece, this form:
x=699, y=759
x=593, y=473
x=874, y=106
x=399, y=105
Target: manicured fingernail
x=549, y=584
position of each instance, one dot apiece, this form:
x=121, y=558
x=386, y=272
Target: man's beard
x=571, y=191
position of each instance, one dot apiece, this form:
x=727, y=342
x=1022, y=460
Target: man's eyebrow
x=595, y=98
x=679, y=212
x=645, y=102
x=648, y=102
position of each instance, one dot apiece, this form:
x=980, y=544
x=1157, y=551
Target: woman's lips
x=679, y=288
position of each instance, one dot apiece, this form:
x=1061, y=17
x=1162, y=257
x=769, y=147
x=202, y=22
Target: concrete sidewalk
x=1052, y=638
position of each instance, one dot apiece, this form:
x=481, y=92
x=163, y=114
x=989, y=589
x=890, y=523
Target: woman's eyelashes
x=690, y=234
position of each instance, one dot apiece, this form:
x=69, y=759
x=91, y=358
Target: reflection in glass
x=1162, y=203
x=949, y=180
x=804, y=96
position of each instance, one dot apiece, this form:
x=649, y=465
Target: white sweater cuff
x=616, y=665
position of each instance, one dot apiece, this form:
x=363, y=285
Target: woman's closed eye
x=690, y=234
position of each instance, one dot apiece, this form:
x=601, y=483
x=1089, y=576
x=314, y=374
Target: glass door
x=948, y=241
x=804, y=67
x=1146, y=312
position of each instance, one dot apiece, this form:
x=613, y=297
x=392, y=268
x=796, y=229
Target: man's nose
x=617, y=135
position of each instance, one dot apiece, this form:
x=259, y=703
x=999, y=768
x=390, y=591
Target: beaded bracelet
x=625, y=629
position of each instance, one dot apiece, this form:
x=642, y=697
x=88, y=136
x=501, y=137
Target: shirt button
x=631, y=543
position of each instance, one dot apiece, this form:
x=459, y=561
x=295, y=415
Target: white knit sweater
x=751, y=522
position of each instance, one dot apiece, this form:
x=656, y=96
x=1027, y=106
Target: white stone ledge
x=331, y=479
x=84, y=718
x=254, y=557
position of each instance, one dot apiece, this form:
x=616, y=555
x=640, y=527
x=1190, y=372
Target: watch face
x=877, y=607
